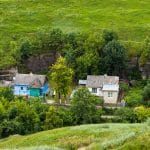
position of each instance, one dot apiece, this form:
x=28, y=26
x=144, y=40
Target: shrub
x=53, y=119
x=142, y=113
x=6, y=93
x=134, y=97
x=126, y=115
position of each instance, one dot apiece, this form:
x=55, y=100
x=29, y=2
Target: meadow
x=23, y=18
x=90, y=137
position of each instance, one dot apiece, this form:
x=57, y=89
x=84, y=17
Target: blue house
x=30, y=85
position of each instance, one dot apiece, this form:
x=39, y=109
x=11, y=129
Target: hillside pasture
x=94, y=136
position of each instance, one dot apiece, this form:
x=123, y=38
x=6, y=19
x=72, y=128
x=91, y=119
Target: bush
x=134, y=97
x=6, y=93
x=126, y=115
x=142, y=113
x=53, y=119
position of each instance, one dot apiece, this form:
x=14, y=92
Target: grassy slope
x=130, y=18
x=98, y=136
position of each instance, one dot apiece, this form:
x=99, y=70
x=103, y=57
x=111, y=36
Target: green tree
x=7, y=93
x=61, y=77
x=114, y=58
x=25, y=50
x=87, y=64
x=27, y=117
x=83, y=106
x=109, y=36
x=52, y=119
x=134, y=97
x=145, y=55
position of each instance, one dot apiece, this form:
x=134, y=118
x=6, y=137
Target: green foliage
x=146, y=94
x=72, y=16
x=131, y=115
x=109, y=36
x=145, y=54
x=134, y=97
x=52, y=119
x=114, y=58
x=61, y=77
x=142, y=113
x=25, y=50
x=126, y=115
x=87, y=64
x=83, y=106
x=66, y=115
x=124, y=87
x=6, y=93
x=93, y=136
x=75, y=16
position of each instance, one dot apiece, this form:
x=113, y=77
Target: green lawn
x=130, y=18
x=93, y=137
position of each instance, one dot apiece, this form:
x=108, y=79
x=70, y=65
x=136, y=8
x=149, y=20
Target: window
x=94, y=90
x=110, y=94
x=21, y=88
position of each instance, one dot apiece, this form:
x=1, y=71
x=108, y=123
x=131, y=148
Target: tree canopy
x=83, y=106
x=114, y=58
x=61, y=77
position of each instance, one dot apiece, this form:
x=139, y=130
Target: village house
x=30, y=85
x=104, y=86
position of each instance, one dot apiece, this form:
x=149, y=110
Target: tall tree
x=61, y=77
x=84, y=108
x=113, y=59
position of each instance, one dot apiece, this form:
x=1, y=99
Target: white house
x=104, y=86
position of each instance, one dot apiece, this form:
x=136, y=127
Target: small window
x=110, y=94
x=94, y=90
x=21, y=88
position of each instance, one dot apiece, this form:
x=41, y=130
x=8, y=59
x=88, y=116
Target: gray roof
x=30, y=79
x=94, y=81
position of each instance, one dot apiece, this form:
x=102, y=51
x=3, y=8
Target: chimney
x=105, y=75
x=31, y=73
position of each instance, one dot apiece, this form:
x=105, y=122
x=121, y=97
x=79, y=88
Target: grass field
x=21, y=18
x=90, y=137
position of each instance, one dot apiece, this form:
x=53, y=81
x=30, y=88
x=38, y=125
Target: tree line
x=23, y=116
x=93, y=53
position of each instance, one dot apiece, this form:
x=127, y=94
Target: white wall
x=112, y=99
x=99, y=91
x=104, y=94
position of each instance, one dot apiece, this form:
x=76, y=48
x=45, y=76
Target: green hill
x=98, y=136
x=130, y=18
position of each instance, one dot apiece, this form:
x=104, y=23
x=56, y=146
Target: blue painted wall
x=21, y=90
x=44, y=89
x=25, y=90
